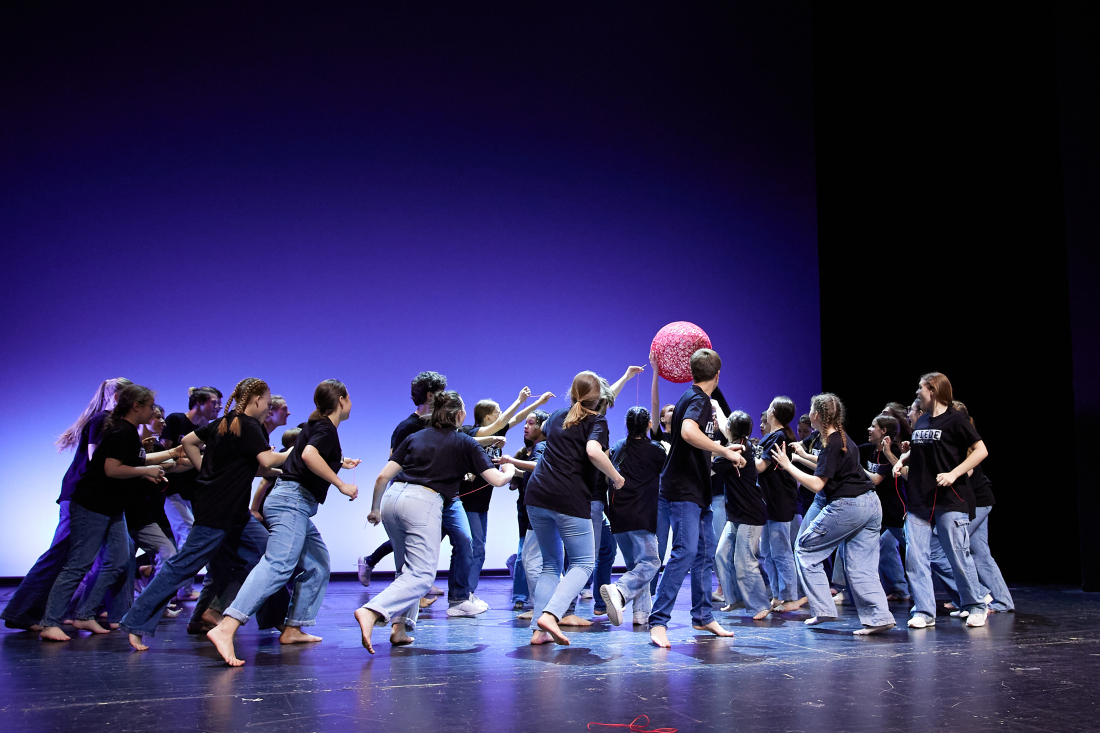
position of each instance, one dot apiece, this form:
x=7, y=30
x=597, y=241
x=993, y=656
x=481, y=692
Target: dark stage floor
x=1035, y=670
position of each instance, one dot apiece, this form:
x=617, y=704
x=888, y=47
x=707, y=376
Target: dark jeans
x=226, y=573
x=89, y=531
x=456, y=526
x=691, y=546
x=28, y=605
x=203, y=544
x=605, y=559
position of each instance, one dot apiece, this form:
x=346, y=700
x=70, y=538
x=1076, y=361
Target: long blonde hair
x=104, y=395
x=585, y=395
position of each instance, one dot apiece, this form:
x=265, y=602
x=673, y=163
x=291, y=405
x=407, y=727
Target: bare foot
x=574, y=620
x=526, y=615
x=211, y=617
x=53, y=633
x=819, y=620
x=222, y=637
x=762, y=615
x=659, y=636
x=89, y=624
x=715, y=628
x=428, y=600
x=366, y=619
x=137, y=643
x=295, y=635
x=868, y=630
x=549, y=624
x=541, y=637
x=399, y=636
x=795, y=605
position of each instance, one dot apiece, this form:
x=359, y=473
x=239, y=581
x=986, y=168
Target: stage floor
x=1035, y=670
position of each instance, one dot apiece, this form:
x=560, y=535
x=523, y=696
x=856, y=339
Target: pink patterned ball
x=673, y=345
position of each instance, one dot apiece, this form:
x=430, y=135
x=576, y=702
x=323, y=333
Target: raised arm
x=630, y=372
x=811, y=482
x=522, y=414
x=654, y=397
x=502, y=420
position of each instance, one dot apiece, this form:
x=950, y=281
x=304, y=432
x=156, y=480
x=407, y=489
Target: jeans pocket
x=415, y=510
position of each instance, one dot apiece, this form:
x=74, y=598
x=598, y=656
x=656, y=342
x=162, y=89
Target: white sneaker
x=479, y=602
x=957, y=613
x=976, y=619
x=586, y=594
x=717, y=597
x=467, y=609
x=839, y=598
x=921, y=621
x=641, y=619
x=614, y=600
x=365, y=569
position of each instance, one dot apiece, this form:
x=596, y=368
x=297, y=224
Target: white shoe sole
x=614, y=610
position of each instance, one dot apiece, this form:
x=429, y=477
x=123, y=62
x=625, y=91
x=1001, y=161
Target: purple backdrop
x=507, y=197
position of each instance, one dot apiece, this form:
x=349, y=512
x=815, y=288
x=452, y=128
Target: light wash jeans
x=738, y=564
x=691, y=537
x=294, y=550
x=891, y=545
x=412, y=516
x=532, y=562
x=519, y=576
x=853, y=523
x=639, y=549
x=89, y=531
x=718, y=525
x=27, y=605
x=479, y=531
x=953, y=533
x=664, y=526
x=554, y=594
x=779, y=563
x=990, y=580
x=180, y=517
x=456, y=525
x=245, y=542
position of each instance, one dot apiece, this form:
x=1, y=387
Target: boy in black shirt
x=685, y=485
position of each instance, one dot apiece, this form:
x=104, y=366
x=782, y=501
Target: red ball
x=673, y=346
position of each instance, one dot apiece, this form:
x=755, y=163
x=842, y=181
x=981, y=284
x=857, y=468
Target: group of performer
x=771, y=517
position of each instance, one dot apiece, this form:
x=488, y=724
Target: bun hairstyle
x=327, y=398
x=637, y=422
x=740, y=425
x=104, y=393
x=128, y=397
x=445, y=408
x=830, y=412
x=246, y=390
x=585, y=395
x=782, y=409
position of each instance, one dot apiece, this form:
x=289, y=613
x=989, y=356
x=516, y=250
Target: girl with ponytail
x=28, y=604
x=559, y=507
x=295, y=550
x=850, y=520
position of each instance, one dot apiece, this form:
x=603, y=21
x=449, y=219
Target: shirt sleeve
x=967, y=433
x=203, y=433
x=253, y=442
x=117, y=445
x=477, y=460
x=599, y=431
x=829, y=458
x=698, y=410
x=401, y=452
x=536, y=454
x=326, y=441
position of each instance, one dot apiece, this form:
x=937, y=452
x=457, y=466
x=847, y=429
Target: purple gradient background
x=506, y=196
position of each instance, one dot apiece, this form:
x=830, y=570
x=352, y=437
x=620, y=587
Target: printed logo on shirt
x=876, y=467
x=921, y=437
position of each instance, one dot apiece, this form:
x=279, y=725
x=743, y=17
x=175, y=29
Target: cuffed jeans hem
x=235, y=614
x=291, y=622
x=136, y=632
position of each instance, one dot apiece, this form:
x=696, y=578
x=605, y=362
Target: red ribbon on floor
x=634, y=727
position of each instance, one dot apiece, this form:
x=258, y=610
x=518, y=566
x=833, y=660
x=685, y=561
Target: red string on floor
x=634, y=727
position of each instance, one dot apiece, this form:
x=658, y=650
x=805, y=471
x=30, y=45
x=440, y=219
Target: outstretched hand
x=631, y=371
x=350, y=462
x=524, y=395
x=779, y=455
x=546, y=397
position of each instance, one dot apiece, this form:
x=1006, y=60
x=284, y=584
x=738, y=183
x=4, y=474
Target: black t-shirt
x=411, y=424
x=744, y=499
x=534, y=455
x=322, y=435
x=659, y=435
x=559, y=482
x=890, y=495
x=229, y=464
x=938, y=445
x=478, y=500
x=176, y=427
x=982, y=486
x=686, y=476
x=143, y=503
x=98, y=493
x=634, y=506
x=438, y=458
x=841, y=468
x=779, y=487
x=89, y=435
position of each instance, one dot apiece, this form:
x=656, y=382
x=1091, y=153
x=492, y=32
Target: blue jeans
x=519, y=576
x=718, y=525
x=738, y=564
x=953, y=533
x=853, y=523
x=664, y=526
x=690, y=549
x=532, y=562
x=553, y=594
x=294, y=550
x=989, y=574
x=479, y=530
x=119, y=596
x=180, y=516
x=228, y=568
x=412, y=516
x=891, y=545
x=780, y=565
x=246, y=542
x=639, y=549
x=27, y=605
x=456, y=526
x=604, y=542
x=88, y=532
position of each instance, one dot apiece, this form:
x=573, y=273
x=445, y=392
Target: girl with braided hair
x=851, y=519
x=97, y=513
x=295, y=549
x=224, y=531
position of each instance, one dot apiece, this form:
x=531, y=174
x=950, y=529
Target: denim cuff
x=292, y=622
x=234, y=613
